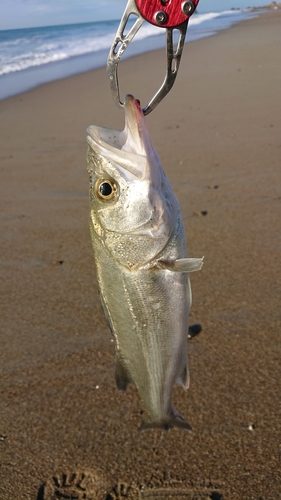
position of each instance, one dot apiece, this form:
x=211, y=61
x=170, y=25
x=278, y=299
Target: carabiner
x=168, y=14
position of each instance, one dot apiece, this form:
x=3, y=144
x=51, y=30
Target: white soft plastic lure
x=142, y=266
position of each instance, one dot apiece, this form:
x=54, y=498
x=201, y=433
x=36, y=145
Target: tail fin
x=174, y=420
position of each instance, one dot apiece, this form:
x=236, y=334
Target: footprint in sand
x=74, y=486
x=92, y=486
x=123, y=491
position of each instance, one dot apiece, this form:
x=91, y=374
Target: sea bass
x=142, y=267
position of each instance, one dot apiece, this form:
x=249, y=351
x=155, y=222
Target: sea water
x=33, y=56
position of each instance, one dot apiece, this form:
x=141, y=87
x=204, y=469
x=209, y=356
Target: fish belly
x=147, y=311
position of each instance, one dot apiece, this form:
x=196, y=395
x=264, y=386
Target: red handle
x=166, y=13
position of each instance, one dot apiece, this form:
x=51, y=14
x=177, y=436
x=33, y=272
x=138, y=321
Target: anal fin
x=183, y=379
x=122, y=378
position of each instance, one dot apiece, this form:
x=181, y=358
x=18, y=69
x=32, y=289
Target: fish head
x=133, y=207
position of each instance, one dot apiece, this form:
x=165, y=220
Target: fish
x=142, y=268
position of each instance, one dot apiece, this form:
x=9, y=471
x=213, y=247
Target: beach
x=65, y=430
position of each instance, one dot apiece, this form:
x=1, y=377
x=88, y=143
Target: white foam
x=24, y=49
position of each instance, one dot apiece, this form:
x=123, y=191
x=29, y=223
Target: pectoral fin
x=181, y=265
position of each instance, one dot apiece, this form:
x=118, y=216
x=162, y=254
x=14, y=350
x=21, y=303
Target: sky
x=33, y=13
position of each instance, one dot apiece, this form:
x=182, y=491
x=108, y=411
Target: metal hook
x=122, y=41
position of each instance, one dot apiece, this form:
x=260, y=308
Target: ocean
x=33, y=56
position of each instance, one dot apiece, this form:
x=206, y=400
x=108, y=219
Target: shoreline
x=218, y=136
x=15, y=83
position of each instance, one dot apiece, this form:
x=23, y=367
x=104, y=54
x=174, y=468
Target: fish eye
x=105, y=189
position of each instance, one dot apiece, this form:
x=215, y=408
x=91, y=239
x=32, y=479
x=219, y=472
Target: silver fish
x=142, y=267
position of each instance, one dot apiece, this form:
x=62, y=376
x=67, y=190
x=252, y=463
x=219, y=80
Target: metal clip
x=164, y=17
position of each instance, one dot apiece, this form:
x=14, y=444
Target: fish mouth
x=131, y=148
x=137, y=138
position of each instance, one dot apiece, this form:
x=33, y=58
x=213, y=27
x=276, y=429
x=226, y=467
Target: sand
x=66, y=432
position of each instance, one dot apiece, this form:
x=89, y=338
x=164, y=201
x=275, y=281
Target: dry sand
x=65, y=430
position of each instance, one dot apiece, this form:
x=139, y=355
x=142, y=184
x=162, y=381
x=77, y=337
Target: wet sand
x=66, y=432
